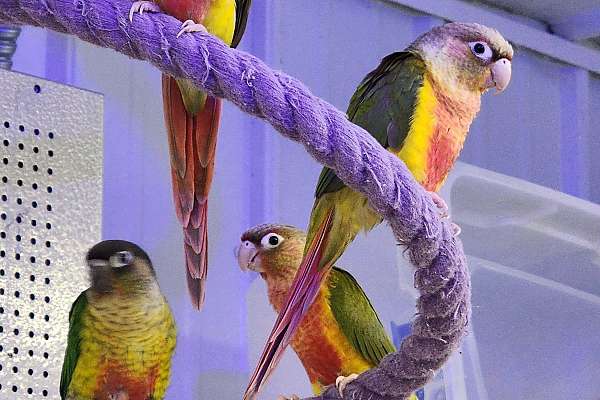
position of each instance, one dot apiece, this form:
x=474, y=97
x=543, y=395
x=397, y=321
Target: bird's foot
x=190, y=26
x=456, y=229
x=342, y=381
x=141, y=6
x=440, y=203
x=120, y=395
x=443, y=207
x=292, y=397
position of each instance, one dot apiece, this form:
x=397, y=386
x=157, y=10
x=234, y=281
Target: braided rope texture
x=441, y=275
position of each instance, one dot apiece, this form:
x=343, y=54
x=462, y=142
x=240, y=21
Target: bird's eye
x=271, y=240
x=121, y=259
x=481, y=50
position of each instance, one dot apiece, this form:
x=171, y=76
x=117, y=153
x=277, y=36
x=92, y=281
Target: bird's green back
x=357, y=318
x=383, y=105
x=78, y=309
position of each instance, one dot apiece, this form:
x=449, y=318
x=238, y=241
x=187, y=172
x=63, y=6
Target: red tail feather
x=192, y=143
x=302, y=294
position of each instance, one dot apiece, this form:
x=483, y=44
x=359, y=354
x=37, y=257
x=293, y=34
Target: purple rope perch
x=441, y=275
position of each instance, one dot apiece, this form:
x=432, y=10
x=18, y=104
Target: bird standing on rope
x=192, y=119
x=341, y=333
x=419, y=104
x=121, y=330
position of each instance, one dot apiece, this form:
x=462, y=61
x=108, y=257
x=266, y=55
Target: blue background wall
x=544, y=129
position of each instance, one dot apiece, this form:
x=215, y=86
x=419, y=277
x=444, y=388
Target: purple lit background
x=544, y=129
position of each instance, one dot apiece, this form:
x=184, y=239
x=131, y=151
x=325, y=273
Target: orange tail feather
x=302, y=294
x=192, y=144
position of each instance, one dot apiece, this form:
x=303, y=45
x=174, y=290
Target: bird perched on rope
x=121, y=330
x=341, y=333
x=192, y=119
x=419, y=105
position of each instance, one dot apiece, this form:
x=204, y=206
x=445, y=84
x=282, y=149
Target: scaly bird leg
x=190, y=26
x=292, y=397
x=441, y=204
x=342, y=381
x=141, y=6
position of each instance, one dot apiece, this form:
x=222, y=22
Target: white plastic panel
x=50, y=209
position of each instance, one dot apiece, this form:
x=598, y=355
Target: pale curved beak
x=247, y=257
x=500, y=73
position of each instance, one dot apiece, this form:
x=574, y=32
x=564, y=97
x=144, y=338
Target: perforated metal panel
x=50, y=209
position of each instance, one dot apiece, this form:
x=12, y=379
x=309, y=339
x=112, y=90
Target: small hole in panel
x=44, y=393
x=3, y=235
x=46, y=318
x=46, y=336
x=17, y=275
x=32, y=297
x=5, y=161
x=46, y=281
x=49, y=189
x=15, y=388
x=48, y=207
x=21, y=146
x=16, y=332
x=30, y=371
x=19, y=201
x=47, y=262
x=30, y=352
x=35, y=168
x=29, y=391
x=48, y=244
x=18, y=238
x=36, y=132
x=36, y=149
x=31, y=315
x=47, y=300
x=20, y=164
x=3, y=216
x=32, y=259
x=6, y=124
x=34, y=204
x=15, y=369
x=2, y=253
x=37, y=89
x=5, y=142
x=50, y=153
x=45, y=374
x=17, y=256
x=19, y=219
x=34, y=186
x=46, y=355
x=4, y=179
x=17, y=294
x=31, y=334
x=19, y=182
x=51, y=135
x=21, y=128
x=48, y=225
x=17, y=313
x=49, y=171
x=4, y=197
x=33, y=222
x=33, y=241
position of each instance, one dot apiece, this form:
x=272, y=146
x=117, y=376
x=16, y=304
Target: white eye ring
x=481, y=50
x=271, y=240
x=120, y=259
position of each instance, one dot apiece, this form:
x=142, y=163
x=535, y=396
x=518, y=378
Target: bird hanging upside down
x=419, y=105
x=341, y=333
x=121, y=330
x=192, y=119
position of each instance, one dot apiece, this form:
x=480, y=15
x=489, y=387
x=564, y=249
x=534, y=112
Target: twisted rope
x=441, y=274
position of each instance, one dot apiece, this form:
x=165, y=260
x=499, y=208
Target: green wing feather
x=357, y=318
x=72, y=353
x=242, y=8
x=385, y=98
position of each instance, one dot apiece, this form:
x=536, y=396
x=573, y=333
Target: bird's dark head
x=466, y=57
x=271, y=249
x=119, y=265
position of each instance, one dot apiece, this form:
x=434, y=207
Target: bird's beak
x=247, y=257
x=94, y=263
x=500, y=73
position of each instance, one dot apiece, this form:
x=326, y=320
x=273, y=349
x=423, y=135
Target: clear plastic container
x=534, y=255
